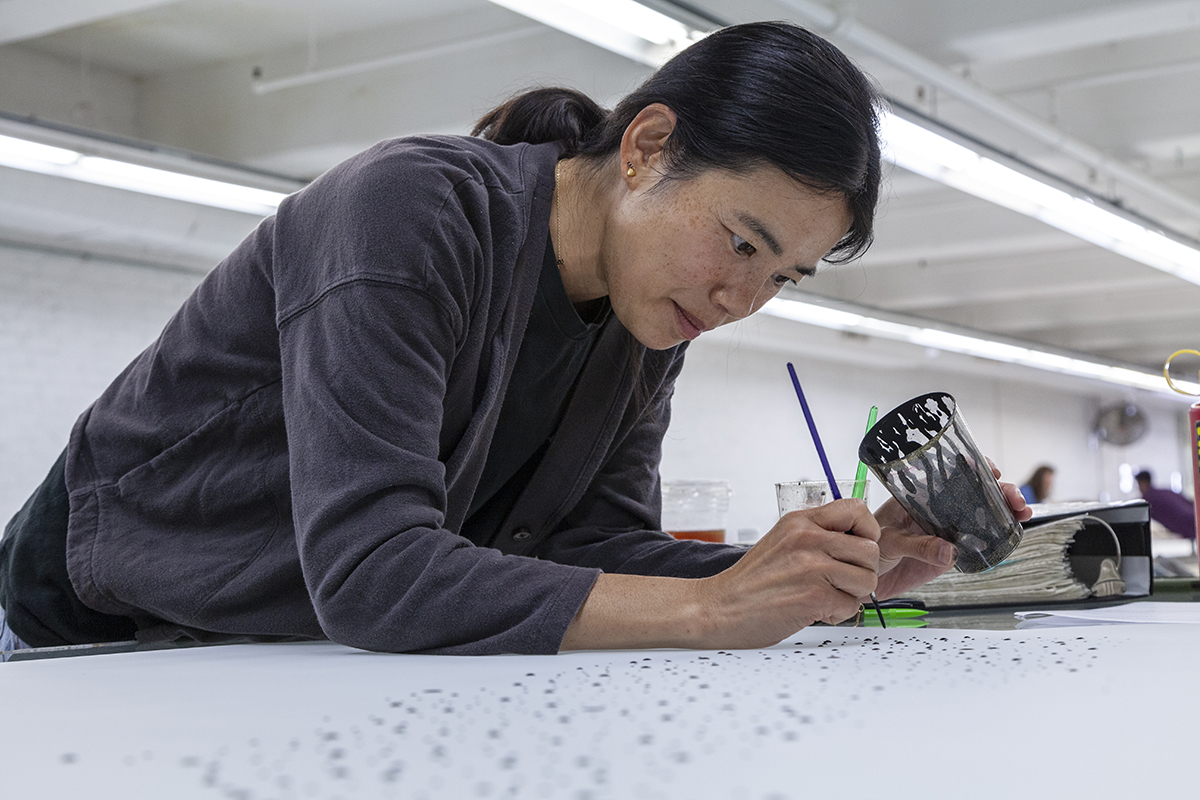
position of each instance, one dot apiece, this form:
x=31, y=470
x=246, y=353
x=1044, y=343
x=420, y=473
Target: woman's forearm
x=639, y=611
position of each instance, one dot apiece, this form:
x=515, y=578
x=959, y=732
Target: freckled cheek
x=697, y=266
x=693, y=274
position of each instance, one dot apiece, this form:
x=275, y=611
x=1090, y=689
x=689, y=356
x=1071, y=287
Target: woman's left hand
x=909, y=557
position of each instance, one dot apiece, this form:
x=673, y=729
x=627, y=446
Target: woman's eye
x=743, y=247
x=783, y=280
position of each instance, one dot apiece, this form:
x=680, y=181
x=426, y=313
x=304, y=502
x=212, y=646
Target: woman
x=1037, y=488
x=421, y=407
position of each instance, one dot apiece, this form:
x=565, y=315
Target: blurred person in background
x=1037, y=488
x=1168, y=508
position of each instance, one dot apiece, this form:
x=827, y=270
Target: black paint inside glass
x=923, y=453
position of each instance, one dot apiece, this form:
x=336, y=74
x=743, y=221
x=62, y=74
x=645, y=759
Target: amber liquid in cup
x=695, y=509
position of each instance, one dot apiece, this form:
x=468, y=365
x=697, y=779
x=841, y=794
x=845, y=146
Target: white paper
x=1147, y=611
x=832, y=712
x=1173, y=548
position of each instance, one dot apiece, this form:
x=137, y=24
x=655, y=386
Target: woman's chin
x=658, y=341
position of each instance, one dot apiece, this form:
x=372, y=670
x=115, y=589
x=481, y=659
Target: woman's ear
x=643, y=143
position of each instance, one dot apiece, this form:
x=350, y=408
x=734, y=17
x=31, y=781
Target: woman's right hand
x=805, y=570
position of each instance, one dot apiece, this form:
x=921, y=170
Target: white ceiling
x=293, y=86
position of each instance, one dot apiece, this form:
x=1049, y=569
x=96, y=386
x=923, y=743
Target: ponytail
x=543, y=115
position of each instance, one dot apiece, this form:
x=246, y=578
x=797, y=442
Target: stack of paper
x=1037, y=571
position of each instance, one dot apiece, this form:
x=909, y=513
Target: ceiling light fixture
x=927, y=153
x=966, y=344
x=625, y=27
x=616, y=26
x=643, y=34
x=66, y=163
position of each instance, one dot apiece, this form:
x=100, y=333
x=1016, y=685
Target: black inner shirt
x=553, y=351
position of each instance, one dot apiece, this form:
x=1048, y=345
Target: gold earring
x=631, y=171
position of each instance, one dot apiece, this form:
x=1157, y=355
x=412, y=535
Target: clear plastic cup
x=797, y=495
x=695, y=509
x=924, y=454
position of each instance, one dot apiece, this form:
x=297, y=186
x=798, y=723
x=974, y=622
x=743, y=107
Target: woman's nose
x=741, y=298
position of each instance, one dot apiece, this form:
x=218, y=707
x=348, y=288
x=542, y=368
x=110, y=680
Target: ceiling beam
x=1026, y=317
x=29, y=19
x=1161, y=336
x=1037, y=282
x=1102, y=26
x=842, y=28
x=984, y=246
x=305, y=127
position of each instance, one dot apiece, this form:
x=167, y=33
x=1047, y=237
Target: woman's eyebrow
x=754, y=224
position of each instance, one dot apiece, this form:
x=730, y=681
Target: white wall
x=69, y=324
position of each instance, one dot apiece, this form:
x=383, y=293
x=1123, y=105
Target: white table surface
x=831, y=713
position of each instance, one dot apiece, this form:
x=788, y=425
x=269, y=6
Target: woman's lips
x=689, y=326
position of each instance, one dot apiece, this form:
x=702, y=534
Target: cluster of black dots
x=633, y=722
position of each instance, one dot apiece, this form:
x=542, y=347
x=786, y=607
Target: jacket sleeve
x=365, y=370
x=616, y=526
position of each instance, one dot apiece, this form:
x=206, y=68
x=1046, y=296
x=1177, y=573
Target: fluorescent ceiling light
x=630, y=29
x=48, y=160
x=635, y=31
x=622, y=26
x=924, y=152
x=836, y=319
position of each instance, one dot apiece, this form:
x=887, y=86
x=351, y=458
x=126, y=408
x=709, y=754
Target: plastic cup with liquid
x=695, y=509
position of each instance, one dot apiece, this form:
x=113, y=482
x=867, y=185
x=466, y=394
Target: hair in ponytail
x=763, y=93
x=543, y=115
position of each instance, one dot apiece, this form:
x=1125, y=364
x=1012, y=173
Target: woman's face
x=698, y=253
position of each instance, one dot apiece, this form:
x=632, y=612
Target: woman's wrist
x=638, y=611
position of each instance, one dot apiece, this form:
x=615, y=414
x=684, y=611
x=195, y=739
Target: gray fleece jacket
x=295, y=455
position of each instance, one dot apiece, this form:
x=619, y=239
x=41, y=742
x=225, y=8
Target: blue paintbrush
x=812, y=428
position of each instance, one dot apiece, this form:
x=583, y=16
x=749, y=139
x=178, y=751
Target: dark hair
x=542, y=115
x=1144, y=475
x=1037, y=481
x=763, y=93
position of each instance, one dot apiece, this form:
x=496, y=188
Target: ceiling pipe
x=843, y=28
x=261, y=86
